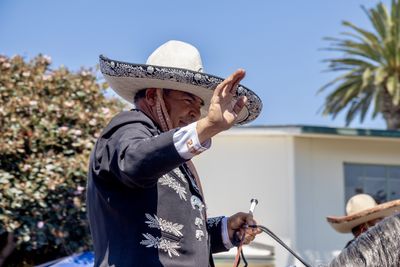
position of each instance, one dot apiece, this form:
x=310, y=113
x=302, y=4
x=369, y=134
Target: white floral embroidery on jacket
x=214, y=221
x=179, y=173
x=162, y=244
x=164, y=225
x=169, y=181
x=197, y=204
x=198, y=222
x=199, y=234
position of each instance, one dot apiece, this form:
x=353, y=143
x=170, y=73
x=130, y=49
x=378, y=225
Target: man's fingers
x=240, y=224
x=227, y=84
x=230, y=88
x=248, y=239
x=236, y=82
x=220, y=88
x=240, y=103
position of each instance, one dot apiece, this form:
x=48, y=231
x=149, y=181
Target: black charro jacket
x=144, y=207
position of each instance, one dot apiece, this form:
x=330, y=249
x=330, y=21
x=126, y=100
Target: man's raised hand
x=224, y=107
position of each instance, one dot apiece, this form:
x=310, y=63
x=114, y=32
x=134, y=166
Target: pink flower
x=93, y=122
x=85, y=73
x=47, y=59
x=69, y=104
x=63, y=129
x=46, y=77
x=26, y=167
x=105, y=110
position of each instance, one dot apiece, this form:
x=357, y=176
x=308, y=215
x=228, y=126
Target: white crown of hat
x=176, y=54
x=359, y=203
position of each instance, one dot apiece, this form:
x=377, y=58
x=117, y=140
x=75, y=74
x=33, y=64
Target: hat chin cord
x=162, y=113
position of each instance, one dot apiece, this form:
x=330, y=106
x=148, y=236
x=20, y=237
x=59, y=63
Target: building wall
x=319, y=182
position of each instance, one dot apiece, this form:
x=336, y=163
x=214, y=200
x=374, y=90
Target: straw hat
x=360, y=209
x=174, y=65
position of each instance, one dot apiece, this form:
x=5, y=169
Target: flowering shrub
x=49, y=123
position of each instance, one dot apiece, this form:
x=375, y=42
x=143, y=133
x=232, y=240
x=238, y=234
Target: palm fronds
x=371, y=64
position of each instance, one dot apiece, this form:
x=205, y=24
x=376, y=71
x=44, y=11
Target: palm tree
x=370, y=68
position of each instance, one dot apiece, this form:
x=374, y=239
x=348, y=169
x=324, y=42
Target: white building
x=300, y=175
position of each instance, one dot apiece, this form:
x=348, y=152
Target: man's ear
x=151, y=96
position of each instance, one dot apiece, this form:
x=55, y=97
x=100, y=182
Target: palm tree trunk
x=390, y=112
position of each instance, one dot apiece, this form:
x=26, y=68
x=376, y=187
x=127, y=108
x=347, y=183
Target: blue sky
x=279, y=43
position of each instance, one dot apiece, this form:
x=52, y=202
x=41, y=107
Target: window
x=382, y=182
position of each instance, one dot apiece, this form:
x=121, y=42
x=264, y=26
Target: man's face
x=183, y=108
x=358, y=230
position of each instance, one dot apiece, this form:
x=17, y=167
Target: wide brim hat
x=344, y=224
x=174, y=65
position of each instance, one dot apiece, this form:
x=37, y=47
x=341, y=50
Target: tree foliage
x=49, y=123
x=369, y=67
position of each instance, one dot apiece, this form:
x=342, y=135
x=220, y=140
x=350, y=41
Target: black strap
x=271, y=234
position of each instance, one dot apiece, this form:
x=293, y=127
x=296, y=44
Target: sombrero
x=174, y=65
x=360, y=209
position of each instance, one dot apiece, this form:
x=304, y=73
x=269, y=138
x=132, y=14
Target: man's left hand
x=237, y=223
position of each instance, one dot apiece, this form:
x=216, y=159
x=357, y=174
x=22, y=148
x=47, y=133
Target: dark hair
x=140, y=94
x=357, y=230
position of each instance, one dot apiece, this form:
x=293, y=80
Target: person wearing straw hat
x=362, y=213
x=145, y=202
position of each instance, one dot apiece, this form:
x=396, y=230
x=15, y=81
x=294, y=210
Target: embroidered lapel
x=192, y=182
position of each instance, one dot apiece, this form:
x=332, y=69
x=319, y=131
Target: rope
x=271, y=234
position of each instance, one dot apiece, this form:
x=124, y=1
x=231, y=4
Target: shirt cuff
x=225, y=235
x=187, y=142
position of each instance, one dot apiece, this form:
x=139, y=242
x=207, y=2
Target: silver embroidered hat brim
x=126, y=79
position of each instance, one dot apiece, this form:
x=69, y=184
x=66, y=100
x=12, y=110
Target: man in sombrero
x=145, y=202
x=362, y=212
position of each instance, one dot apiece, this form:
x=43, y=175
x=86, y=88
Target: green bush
x=49, y=123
